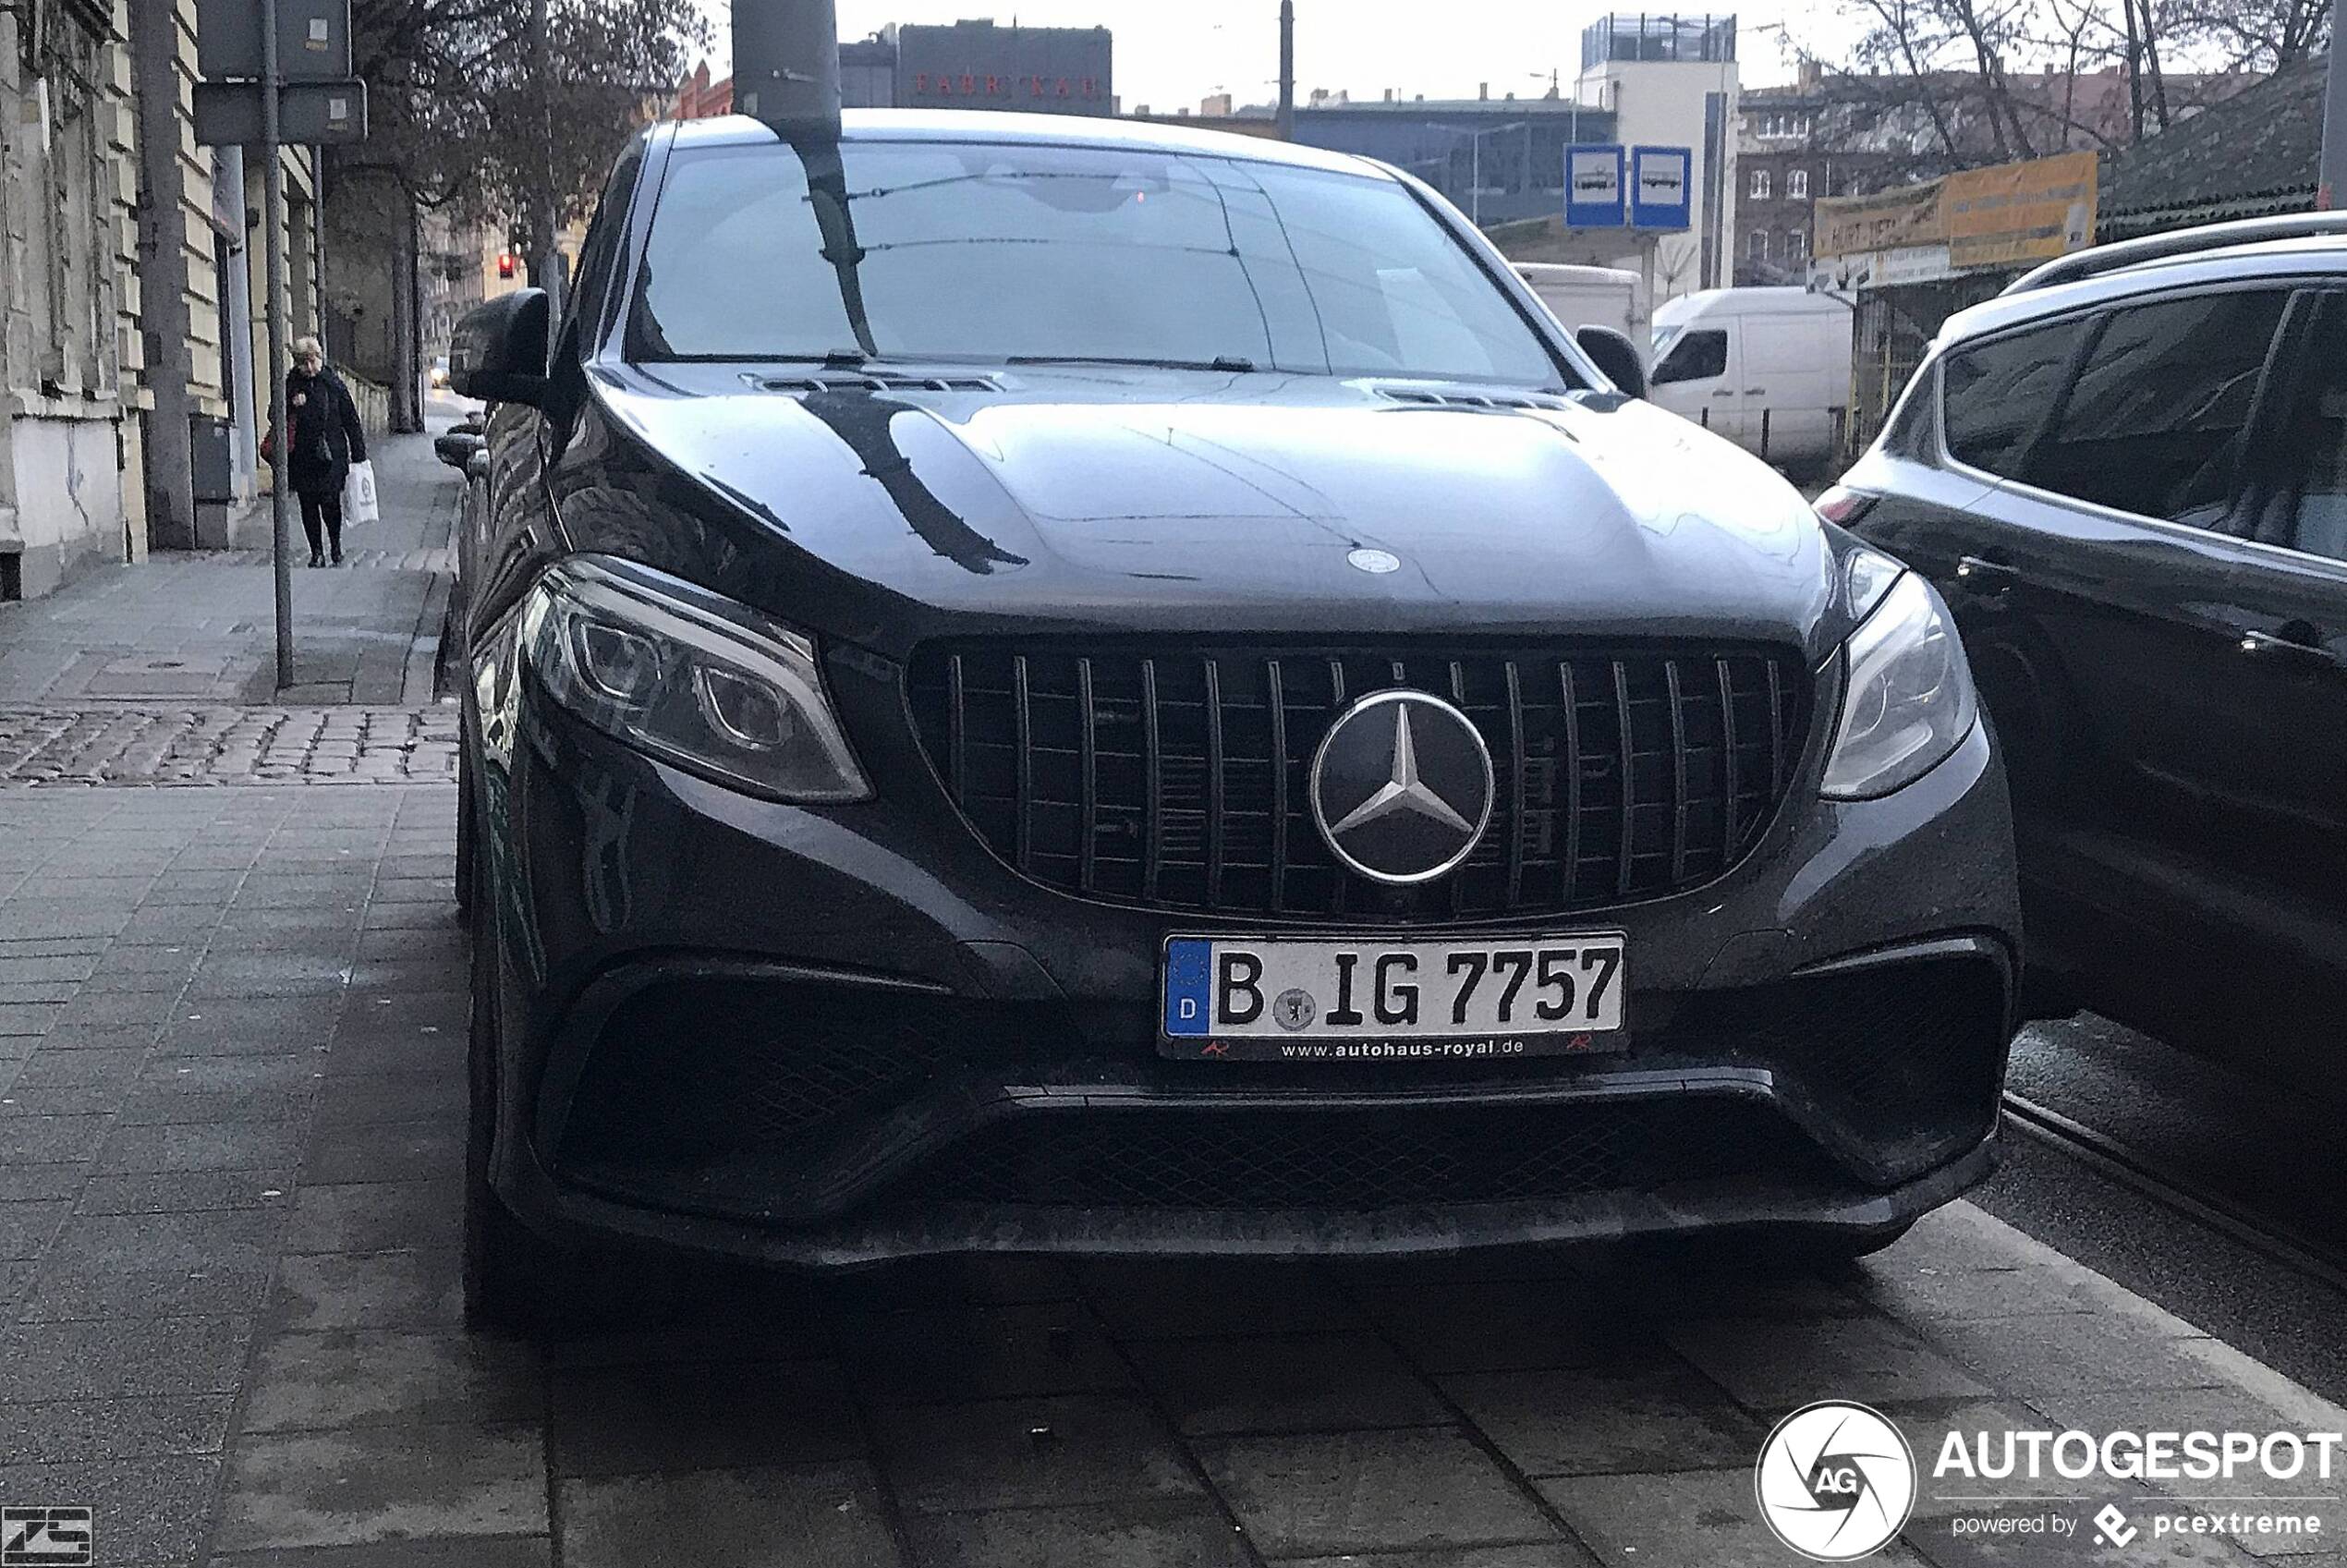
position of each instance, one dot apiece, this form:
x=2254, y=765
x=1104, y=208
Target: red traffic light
x=506, y=263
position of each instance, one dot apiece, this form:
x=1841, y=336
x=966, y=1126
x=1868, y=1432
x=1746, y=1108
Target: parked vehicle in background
x=1767, y=368
x=2129, y=476
x=1588, y=297
x=440, y=370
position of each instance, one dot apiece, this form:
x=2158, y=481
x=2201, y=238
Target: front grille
x=1178, y=779
x=1361, y=1160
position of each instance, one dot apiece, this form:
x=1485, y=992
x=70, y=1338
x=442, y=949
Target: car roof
x=982, y=126
x=1750, y=301
x=2298, y=257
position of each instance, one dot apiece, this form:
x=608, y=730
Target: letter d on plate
x=1189, y=987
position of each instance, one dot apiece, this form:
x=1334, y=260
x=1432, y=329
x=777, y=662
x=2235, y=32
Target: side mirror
x=499, y=351
x=1616, y=355
x=456, y=447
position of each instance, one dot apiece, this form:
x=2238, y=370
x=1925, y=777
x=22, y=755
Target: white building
x=1670, y=81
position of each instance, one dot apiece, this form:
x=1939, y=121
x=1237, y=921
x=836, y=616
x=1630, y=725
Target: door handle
x=1756, y=392
x=1725, y=391
x=1986, y=574
x=2264, y=644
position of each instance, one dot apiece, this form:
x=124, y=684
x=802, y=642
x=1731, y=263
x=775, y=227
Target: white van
x=1587, y=297
x=1767, y=368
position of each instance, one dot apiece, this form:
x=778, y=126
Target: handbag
x=359, y=503
x=269, y=446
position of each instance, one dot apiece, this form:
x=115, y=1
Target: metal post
x=1287, y=121
x=2332, y=180
x=274, y=177
x=545, y=260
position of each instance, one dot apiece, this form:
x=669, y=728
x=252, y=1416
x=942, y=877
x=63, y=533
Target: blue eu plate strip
x=1186, y=987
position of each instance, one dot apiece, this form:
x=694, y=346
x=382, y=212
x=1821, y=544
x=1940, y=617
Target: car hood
x=1109, y=501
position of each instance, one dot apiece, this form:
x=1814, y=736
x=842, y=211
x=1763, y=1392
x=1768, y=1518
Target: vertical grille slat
x=1024, y=839
x=1776, y=730
x=1626, y=856
x=956, y=752
x=1176, y=777
x=1571, y=891
x=1154, y=770
x=1678, y=773
x=1731, y=841
x=1089, y=851
x=1277, y=688
x=1516, y=762
x=1218, y=814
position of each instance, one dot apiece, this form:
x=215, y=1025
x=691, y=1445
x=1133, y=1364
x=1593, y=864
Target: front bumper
x=836, y=1037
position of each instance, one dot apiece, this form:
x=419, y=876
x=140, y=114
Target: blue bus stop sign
x=1593, y=186
x=1660, y=182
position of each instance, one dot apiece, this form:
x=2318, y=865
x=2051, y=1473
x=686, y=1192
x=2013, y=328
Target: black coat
x=327, y=436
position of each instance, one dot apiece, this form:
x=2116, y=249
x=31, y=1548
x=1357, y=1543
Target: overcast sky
x=1170, y=53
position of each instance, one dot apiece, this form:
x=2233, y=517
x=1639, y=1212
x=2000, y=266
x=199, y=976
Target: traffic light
x=506, y=263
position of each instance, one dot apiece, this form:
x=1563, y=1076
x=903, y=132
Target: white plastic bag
x=359, y=503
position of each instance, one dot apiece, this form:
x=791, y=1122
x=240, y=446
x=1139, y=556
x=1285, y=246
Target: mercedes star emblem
x=1402, y=787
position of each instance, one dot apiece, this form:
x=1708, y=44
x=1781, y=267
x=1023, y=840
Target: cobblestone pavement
x=231, y=1107
x=200, y=629
x=210, y=745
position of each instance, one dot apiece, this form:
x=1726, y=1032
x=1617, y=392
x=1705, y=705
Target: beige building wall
x=68, y=355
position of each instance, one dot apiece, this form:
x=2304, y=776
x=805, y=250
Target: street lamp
x=1475, y=176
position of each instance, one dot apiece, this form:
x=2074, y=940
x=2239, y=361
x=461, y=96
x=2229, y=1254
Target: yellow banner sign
x=2011, y=214
x=2017, y=213
x=1888, y=220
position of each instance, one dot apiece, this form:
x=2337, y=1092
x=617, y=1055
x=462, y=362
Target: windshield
x=999, y=253
x=1664, y=336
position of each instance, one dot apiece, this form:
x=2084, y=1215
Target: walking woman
x=327, y=438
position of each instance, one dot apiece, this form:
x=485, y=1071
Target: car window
x=2307, y=510
x=601, y=248
x=1698, y=356
x=1996, y=395
x=982, y=252
x=2155, y=423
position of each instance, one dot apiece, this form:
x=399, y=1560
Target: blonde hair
x=309, y=348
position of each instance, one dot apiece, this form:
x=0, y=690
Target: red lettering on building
x=994, y=86
x=1063, y=87
x=920, y=82
x=970, y=83
x=1035, y=87
x=1091, y=87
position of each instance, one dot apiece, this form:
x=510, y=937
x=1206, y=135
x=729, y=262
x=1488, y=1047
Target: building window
x=1755, y=244
x=1759, y=185
x=1796, y=247
x=1796, y=185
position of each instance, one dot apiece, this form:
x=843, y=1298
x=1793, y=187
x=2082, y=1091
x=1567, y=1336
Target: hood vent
x=1424, y=398
x=858, y=380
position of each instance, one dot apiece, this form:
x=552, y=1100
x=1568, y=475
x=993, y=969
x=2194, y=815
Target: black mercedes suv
x=1056, y=685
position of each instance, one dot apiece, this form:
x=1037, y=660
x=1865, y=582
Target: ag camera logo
x=1835, y=1482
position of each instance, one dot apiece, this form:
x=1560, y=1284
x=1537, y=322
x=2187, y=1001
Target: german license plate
x=1280, y=1001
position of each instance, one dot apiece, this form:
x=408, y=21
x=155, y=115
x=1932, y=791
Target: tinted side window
x=2307, y=509
x=1996, y=395
x=600, y=252
x=1698, y=356
x=2154, y=425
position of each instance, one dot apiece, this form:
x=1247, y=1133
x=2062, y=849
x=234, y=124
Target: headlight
x=689, y=677
x=1909, y=701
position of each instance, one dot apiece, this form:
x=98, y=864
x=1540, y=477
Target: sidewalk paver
x=200, y=629
x=230, y=1164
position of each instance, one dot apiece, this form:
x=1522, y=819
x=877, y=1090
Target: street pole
x=2332, y=180
x=1287, y=70
x=274, y=182
x=545, y=263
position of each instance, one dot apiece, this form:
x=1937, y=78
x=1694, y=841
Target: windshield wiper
x=1231, y=363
